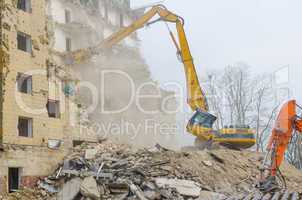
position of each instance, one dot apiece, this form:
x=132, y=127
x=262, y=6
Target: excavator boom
x=286, y=123
x=282, y=133
x=196, y=97
x=202, y=121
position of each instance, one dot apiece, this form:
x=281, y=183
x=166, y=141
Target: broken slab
x=105, y=176
x=119, y=164
x=150, y=194
x=207, y=163
x=137, y=191
x=70, y=189
x=49, y=188
x=183, y=187
x=118, y=188
x=89, y=188
x=70, y=172
x=207, y=195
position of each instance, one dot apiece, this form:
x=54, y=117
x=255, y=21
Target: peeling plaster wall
x=3, y=65
x=44, y=128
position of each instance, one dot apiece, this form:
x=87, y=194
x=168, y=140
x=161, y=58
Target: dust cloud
x=130, y=106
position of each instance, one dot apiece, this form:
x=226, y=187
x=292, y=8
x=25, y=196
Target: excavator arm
x=196, y=96
x=201, y=123
x=286, y=123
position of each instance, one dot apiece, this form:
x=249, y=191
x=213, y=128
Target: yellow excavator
x=201, y=124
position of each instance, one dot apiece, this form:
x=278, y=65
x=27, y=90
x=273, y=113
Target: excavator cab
x=203, y=119
x=201, y=125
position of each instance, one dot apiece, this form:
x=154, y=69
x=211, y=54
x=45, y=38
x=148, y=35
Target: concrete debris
x=184, y=187
x=138, y=192
x=207, y=163
x=115, y=171
x=49, y=188
x=151, y=194
x=89, y=188
x=90, y=154
x=118, y=188
x=206, y=195
x=69, y=190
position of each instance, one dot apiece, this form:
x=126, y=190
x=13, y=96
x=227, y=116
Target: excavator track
x=287, y=195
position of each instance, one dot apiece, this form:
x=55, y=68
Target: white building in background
x=78, y=24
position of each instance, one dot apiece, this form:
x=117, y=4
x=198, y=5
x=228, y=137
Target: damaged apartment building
x=43, y=101
x=77, y=24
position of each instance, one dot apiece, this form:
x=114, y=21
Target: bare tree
x=265, y=110
x=239, y=93
x=240, y=98
x=294, y=152
x=263, y=134
x=215, y=100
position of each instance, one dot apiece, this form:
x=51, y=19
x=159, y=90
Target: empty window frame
x=76, y=143
x=68, y=44
x=25, y=127
x=24, y=42
x=24, y=5
x=67, y=16
x=24, y=83
x=127, y=3
x=14, y=179
x=53, y=108
x=106, y=11
x=121, y=20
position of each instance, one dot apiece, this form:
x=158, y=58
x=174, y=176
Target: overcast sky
x=265, y=34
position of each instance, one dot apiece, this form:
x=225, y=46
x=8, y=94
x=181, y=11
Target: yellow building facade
x=33, y=114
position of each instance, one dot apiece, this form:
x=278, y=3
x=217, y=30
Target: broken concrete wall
x=75, y=29
x=89, y=22
x=34, y=163
x=59, y=30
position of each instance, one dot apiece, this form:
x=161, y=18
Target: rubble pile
x=111, y=171
x=25, y=194
x=117, y=171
